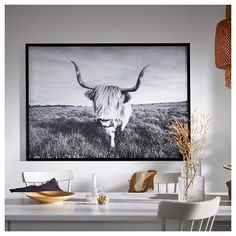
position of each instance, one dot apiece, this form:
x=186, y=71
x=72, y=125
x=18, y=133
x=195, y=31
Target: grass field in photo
x=68, y=132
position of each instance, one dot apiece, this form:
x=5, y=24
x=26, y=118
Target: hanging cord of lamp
x=223, y=46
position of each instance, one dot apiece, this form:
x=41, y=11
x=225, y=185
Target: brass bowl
x=48, y=197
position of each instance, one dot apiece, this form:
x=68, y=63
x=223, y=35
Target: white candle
x=94, y=180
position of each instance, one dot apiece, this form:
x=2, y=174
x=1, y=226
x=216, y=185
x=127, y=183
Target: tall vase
x=191, y=184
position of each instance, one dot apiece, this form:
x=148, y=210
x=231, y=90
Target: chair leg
x=208, y=220
x=200, y=226
x=212, y=222
x=192, y=225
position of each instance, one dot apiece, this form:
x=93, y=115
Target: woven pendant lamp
x=223, y=46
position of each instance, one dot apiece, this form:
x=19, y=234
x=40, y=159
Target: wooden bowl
x=48, y=197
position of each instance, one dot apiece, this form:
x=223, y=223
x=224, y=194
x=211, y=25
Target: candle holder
x=93, y=196
x=94, y=192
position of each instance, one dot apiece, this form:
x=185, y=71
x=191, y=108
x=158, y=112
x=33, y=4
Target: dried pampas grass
x=191, y=144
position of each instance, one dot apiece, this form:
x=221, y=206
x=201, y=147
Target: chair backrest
x=41, y=177
x=192, y=216
x=166, y=179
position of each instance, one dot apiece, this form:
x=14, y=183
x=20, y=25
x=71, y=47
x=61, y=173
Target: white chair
x=192, y=216
x=166, y=179
x=41, y=177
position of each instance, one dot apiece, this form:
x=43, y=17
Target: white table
x=126, y=211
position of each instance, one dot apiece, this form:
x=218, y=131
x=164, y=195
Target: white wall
x=51, y=24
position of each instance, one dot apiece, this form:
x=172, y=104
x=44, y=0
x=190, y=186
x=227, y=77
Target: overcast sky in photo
x=52, y=78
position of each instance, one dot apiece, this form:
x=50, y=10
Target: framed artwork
x=105, y=101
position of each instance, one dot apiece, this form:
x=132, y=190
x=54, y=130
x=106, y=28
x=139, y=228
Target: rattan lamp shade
x=223, y=48
x=228, y=76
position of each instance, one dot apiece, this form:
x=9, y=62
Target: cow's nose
x=105, y=122
x=99, y=121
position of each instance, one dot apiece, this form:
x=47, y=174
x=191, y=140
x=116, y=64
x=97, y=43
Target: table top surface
x=121, y=206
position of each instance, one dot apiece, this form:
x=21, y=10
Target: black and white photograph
x=105, y=101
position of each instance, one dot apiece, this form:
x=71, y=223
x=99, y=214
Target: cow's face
x=107, y=103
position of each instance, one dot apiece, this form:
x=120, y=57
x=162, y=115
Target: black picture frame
x=30, y=66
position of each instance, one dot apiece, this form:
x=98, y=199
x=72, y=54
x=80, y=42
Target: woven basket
x=223, y=44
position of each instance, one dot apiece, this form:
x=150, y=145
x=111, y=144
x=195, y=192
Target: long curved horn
x=79, y=78
x=135, y=88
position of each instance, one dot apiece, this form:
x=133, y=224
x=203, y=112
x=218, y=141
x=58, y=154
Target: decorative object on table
x=79, y=100
x=191, y=184
x=103, y=199
x=191, y=143
x=48, y=197
x=228, y=183
x=50, y=185
x=92, y=197
x=94, y=185
x=142, y=181
x=223, y=46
